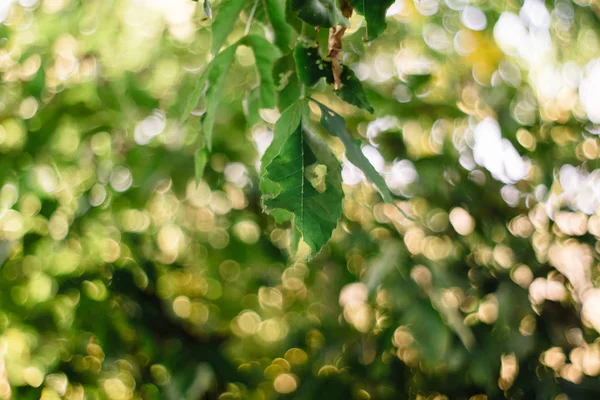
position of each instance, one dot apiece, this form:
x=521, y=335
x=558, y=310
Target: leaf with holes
x=352, y=91
x=310, y=66
x=303, y=178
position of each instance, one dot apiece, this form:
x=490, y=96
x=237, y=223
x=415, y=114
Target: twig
x=250, y=18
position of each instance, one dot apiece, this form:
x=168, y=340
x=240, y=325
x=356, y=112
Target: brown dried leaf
x=334, y=45
x=335, y=48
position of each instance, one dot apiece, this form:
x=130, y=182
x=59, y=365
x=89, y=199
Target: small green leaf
x=311, y=68
x=227, y=15
x=200, y=161
x=352, y=91
x=316, y=212
x=194, y=97
x=381, y=266
x=252, y=107
x=216, y=78
x=265, y=55
x=415, y=81
x=374, y=12
x=295, y=236
x=275, y=11
x=322, y=13
x=336, y=126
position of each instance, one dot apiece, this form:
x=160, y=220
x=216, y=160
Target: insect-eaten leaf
x=336, y=126
x=374, y=12
x=311, y=68
x=352, y=91
x=301, y=176
x=322, y=13
x=316, y=175
x=200, y=161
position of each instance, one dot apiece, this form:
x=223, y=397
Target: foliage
x=299, y=199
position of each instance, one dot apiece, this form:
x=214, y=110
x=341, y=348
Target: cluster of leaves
x=300, y=178
x=122, y=277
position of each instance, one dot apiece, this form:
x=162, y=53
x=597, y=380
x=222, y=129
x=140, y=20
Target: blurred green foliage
x=121, y=278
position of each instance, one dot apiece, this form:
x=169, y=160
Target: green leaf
x=311, y=68
x=291, y=17
x=322, y=13
x=352, y=91
x=275, y=11
x=374, y=12
x=282, y=69
x=286, y=124
x=286, y=81
x=224, y=22
x=289, y=93
x=382, y=265
x=416, y=81
x=291, y=186
x=216, y=77
x=252, y=107
x=265, y=55
x=336, y=126
x=200, y=161
x=194, y=97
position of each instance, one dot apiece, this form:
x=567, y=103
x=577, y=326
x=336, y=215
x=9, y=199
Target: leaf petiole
x=250, y=18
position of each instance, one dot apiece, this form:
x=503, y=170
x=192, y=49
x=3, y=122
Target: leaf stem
x=250, y=18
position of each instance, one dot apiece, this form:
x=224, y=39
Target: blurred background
x=120, y=278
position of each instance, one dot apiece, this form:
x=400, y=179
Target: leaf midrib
x=302, y=174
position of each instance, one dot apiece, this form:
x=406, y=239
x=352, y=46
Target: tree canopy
x=299, y=199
